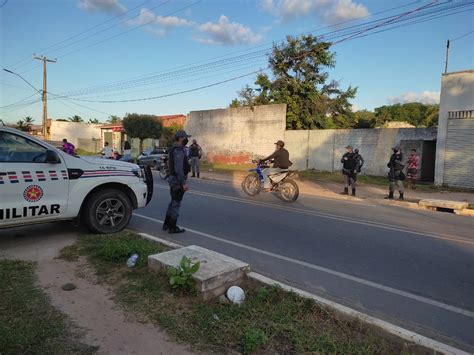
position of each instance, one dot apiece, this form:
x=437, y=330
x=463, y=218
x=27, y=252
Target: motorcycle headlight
x=138, y=173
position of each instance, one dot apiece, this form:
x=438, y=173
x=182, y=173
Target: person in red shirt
x=413, y=165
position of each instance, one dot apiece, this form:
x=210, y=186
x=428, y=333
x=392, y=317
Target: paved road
x=410, y=267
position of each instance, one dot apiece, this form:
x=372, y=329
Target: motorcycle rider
x=351, y=163
x=281, y=160
x=178, y=170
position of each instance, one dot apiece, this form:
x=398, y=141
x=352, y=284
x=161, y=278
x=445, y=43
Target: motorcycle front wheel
x=251, y=185
x=289, y=190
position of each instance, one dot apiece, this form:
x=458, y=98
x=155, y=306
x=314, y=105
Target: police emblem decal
x=33, y=193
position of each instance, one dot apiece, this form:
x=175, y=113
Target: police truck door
x=32, y=187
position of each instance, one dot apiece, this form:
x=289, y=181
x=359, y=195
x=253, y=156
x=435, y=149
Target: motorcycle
x=163, y=167
x=281, y=183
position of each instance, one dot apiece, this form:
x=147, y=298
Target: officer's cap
x=182, y=134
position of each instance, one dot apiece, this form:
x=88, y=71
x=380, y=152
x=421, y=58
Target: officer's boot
x=346, y=191
x=174, y=229
x=194, y=175
x=353, y=191
x=198, y=175
x=401, y=196
x=166, y=224
x=390, y=196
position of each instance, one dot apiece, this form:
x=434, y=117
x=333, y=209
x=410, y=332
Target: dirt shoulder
x=90, y=306
x=331, y=184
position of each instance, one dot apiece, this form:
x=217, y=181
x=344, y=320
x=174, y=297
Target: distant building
x=173, y=120
x=115, y=134
x=85, y=136
x=455, y=143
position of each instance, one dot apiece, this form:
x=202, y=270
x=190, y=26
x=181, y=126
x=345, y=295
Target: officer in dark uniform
x=396, y=175
x=179, y=169
x=351, y=164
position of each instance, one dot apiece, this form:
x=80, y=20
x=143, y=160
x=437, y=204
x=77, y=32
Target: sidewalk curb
x=388, y=327
x=378, y=323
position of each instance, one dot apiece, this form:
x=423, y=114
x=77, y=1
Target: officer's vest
x=186, y=166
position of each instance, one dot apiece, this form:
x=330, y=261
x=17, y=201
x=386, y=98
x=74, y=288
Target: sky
x=157, y=48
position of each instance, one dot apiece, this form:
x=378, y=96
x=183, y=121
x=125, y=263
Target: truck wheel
x=107, y=211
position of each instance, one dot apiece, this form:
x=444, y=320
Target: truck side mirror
x=52, y=157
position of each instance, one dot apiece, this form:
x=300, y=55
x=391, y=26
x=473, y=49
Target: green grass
x=325, y=176
x=270, y=320
x=225, y=167
x=84, y=152
x=28, y=322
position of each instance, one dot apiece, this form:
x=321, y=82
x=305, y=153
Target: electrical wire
x=80, y=33
x=462, y=36
x=209, y=66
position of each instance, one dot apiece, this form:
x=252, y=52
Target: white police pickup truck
x=40, y=183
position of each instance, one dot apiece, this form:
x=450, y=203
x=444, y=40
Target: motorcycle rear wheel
x=251, y=185
x=163, y=173
x=289, y=190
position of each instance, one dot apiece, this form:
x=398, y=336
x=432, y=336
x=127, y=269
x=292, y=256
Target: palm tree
x=113, y=119
x=76, y=119
x=25, y=124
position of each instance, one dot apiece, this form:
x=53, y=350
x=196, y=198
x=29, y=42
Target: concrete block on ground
x=465, y=212
x=454, y=205
x=216, y=273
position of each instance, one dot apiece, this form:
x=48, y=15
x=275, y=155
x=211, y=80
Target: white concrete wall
x=457, y=94
x=323, y=149
x=72, y=131
x=233, y=135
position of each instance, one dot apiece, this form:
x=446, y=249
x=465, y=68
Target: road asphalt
x=413, y=268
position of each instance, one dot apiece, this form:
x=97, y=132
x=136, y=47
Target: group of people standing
x=352, y=162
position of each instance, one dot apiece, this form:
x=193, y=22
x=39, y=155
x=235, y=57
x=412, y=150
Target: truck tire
x=107, y=211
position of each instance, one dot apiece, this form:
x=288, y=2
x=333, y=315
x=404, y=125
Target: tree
x=300, y=81
x=364, y=119
x=142, y=127
x=415, y=113
x=113, y=119
x=62, y=120
x=76, y=119
x=168, y=133
x=94, y=120
x=25, y=124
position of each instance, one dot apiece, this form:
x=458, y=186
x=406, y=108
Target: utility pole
x=447, y=58
x=45, y=60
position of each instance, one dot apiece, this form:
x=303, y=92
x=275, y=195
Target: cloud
x=328, y=11
x=227, y=33
x=426, y=97
x=102, y=5
x=158, y=25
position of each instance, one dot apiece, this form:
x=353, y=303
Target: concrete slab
x=217, y=271
x=454, y=205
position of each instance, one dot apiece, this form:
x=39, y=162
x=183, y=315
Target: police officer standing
x=350, y=167
x=195, y=154
x=179, y=169
x=396, y=175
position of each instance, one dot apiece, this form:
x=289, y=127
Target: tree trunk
x=141, y=146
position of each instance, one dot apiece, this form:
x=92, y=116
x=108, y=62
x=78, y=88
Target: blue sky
x=403, y=64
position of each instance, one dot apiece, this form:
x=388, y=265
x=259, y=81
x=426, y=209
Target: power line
x=462, y=36
x=129, y=30
x=141, y=81
x=352, y=36
x=80, y=33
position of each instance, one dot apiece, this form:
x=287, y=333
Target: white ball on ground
x=236, y=295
